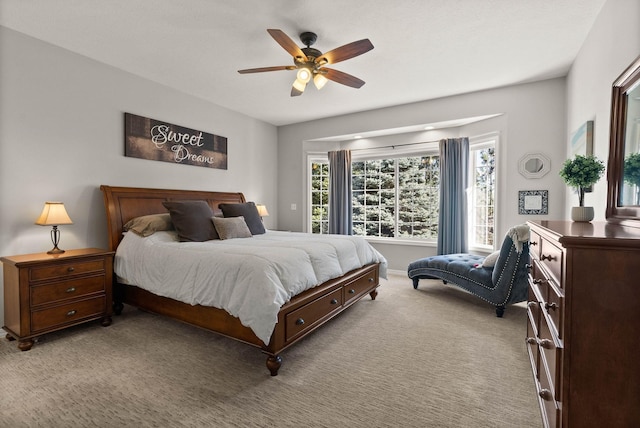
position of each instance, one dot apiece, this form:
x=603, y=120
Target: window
x=399, y=197
x=320, y=197
x=482, y=198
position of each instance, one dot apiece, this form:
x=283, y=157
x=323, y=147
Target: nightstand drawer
x=52, y=292
x=67, y=314
x=64, y=270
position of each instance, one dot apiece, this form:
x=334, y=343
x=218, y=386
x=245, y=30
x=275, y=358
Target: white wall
x=611, y=46
x=532, y=120
x=62, y=136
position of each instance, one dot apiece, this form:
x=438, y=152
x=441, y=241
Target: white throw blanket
x=250, y=278
x=518, y=235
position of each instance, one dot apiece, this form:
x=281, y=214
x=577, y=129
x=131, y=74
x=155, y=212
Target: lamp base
x=55, y=250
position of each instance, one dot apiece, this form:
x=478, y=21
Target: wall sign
x=161, y=141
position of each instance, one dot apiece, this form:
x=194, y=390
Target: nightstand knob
x=71, y=289
x=70, y=269
x=352, y=291
x=71, y=313
x=299, y=321
x=370, y=279
x=334, y=301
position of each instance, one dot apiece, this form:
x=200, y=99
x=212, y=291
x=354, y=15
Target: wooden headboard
x=124, y=203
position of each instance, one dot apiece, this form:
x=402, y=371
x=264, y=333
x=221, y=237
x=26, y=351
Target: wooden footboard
x=296, y=319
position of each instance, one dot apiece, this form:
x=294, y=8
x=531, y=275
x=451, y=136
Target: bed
x=299, y=315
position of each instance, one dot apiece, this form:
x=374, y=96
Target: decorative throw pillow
x=147, y=225
x=232, y=227
x=192, y=220
x=247, y=210
x=491, y=259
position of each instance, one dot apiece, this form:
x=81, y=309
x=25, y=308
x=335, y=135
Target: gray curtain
x=340, y=193
x=454, y=171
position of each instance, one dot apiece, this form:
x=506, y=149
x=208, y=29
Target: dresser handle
x=549, y=257
x=71, y=313
x=533, y=244
x=528, y=267
x=532, y=303
x=546, y=395
x=551, y=306
x=546, y=344
x=334, y=301
x=299, y=321
x=352, y=291
x=532, y=340
x=370, y=279
x=539, y=281
x=70, y=269
x=71, y=289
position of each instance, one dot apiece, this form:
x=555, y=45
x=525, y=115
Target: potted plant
x=581, y=173
x=632, y=173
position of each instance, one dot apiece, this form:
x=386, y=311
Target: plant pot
x=582, y=213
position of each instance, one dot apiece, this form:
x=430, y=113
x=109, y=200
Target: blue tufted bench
x=500, y=284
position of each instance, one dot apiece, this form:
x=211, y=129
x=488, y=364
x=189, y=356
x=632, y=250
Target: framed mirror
x=623, y=169
x=534, y=165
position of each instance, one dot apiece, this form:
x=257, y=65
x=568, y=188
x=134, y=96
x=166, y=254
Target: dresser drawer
x=534, y=244
x=307, y=317
x=65, y=270
x=548, y=403
x=67, y=314
x=554, y=307
x=551, y=258
x=551, y=355
x=533, y=317
x=73, y=288
x=360, y=286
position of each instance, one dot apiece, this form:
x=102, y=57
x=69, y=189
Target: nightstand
x=47, y=292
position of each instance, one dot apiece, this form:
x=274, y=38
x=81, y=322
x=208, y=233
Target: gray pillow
x=232, y=227
x=247, y=210
x=192, y=220
x=147, y=225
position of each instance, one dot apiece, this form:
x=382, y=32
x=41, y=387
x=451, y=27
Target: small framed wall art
x=533, y=202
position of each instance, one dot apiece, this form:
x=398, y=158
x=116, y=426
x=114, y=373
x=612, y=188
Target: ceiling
x=423, y=49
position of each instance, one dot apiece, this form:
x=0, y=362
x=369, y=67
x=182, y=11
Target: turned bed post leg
x=273, y=364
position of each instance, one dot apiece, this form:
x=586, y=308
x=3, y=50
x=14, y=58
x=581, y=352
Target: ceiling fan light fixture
x=299, y=85
x=304, y=75
x=319, y=80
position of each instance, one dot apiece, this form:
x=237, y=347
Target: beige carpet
x=435, y=357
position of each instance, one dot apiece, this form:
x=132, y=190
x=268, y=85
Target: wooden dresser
x=583, y=335
x=45, y=292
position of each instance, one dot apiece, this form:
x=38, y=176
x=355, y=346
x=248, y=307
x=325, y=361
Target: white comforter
x=251, y=278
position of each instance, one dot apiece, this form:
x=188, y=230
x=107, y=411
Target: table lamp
x=54, y=214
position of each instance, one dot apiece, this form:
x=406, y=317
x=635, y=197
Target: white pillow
x=491, y=259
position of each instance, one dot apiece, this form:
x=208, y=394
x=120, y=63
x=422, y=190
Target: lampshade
x=299, y=86
x=262, y=210
x=304, y=75
x=53, y=214
x=319, y=80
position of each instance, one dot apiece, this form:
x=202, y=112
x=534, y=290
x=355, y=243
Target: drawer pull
x=533, y=244
x=546, y=395
x=528, y=267
x=334, y=301
x=71, y=313
x=532, y=340
x=549, y=257
x=352, y=291
x=71, y=289
x=551, y=306
x=546, y=344
x=539, y=281
x=532, y=304
x=370, y=279
x=299, y=321
x=70, y=269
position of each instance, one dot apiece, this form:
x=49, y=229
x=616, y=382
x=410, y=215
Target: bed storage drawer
x=311, y=314
x=360, y=286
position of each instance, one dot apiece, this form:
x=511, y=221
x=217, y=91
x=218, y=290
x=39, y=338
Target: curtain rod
x=392, y=146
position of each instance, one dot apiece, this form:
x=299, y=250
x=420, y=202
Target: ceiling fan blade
x=341, y=77
x=347, y=51
x=263, y=69
x=288, y=44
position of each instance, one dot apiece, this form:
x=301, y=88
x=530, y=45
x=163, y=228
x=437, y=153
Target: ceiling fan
x=310, y=62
